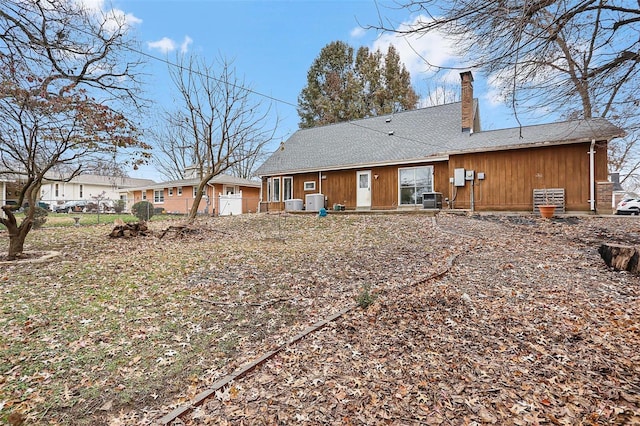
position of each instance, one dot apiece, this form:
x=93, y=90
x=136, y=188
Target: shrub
x=143, y=210
x=365, y=298
x=118, y=206
x=39, y=217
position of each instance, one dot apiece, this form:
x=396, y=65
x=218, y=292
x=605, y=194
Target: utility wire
x=183, y=68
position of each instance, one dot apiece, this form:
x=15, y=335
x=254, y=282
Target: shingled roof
x=427, y=134
x=221, y=179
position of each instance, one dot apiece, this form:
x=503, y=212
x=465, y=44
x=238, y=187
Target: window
x=57, y=190
x=81, y=191
x=158, y=196
x=179, y=191
x=144, y=195
x=287, y=188
x=310, y=186
x=275, y=192
x=170, y=192
x=195, y=192
x=413, y=183
x=229, y=190
x=268, y=189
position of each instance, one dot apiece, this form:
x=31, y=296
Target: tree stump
x=621, y=257
x=128, y=230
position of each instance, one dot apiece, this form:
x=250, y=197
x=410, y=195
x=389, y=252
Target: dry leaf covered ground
x=476, y=320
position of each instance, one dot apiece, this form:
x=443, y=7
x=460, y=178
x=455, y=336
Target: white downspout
x=592, y=176
x=320, y=183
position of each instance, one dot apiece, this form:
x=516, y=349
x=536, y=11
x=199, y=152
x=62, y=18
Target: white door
x=363, y=194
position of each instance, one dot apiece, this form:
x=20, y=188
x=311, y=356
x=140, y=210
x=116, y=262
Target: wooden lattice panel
x=553, y=196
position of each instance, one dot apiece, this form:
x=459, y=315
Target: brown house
x=224, y=195
x=439, y=156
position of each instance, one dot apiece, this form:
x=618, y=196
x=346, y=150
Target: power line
x=183, y=68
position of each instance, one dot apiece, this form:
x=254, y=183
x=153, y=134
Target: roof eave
x=357, y=166
x=532, y=145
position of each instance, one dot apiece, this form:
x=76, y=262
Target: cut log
x=129, y=230
x=621, y=257
x=179, y=231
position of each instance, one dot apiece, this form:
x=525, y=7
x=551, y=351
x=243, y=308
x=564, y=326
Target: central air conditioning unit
x=432, y=200
x=293, y=205
x=314, y=202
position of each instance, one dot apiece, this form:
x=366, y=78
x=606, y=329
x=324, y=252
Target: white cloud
x=184, y=46
x=164, y=45
x=167, y=45
x=114, y=20
x=358, y=32
x=91, y=5
x=421, y=53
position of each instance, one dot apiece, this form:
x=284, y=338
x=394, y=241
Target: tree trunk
x=17, y=234
x=199, y=193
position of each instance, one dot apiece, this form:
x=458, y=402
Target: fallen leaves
x=534, y=346
x=517, y=331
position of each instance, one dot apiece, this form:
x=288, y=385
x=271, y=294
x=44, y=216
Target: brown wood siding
x=511, y=176
x=339, y=187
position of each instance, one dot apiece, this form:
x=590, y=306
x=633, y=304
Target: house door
x=363, y=194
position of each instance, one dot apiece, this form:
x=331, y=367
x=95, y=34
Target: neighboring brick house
x=390, y=162
x=224, y=195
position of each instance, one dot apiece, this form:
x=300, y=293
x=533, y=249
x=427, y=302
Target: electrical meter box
x=469, y=175
x=458, y=177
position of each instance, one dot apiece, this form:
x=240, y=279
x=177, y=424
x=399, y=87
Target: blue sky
x=273, y=42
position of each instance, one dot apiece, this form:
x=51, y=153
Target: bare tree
x=579, y=58
x=174, y=150
x=56, y=58
x=225, y=126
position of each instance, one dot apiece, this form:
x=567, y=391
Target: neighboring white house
x=3, y=194
x=85, y=187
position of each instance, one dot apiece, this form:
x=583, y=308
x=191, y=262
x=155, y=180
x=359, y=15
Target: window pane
x=423, y=176
x=407, y=196
x=414, y=182
x=288, y=189
x=276, y=189
x=406, y=177
x=364, y=181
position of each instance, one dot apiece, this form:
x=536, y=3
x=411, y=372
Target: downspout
x=260, y=197
x=211, y=202
x=320, y=183
x=592, y=176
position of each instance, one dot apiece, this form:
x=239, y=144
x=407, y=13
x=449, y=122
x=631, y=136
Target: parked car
x=629, y=206
x=41, y=204
x=71, y=207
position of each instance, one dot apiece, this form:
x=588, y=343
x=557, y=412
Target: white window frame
x=81, y=191
x=310, y=185
x=194, y=192
x=417, y=196
x=170, y=192
x=276, y=189
x=144, y=195
x=287, y=195
x=268, y=189
x=179, y=191
x=158, y=196
x=229, y=189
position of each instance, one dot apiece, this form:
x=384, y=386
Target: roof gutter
x=357, y=166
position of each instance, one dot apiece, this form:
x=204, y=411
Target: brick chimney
x=467, y=100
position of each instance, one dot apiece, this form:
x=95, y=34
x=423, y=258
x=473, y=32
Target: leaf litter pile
x=471, y=320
